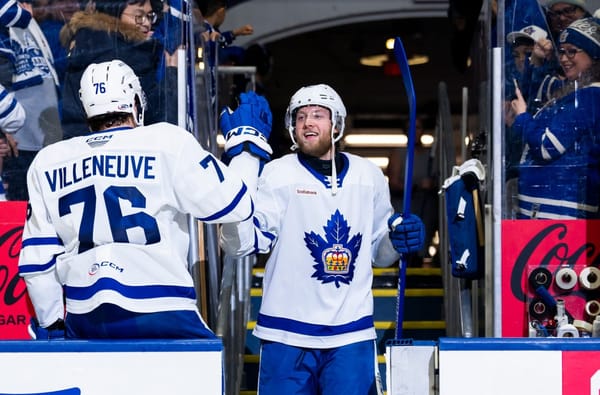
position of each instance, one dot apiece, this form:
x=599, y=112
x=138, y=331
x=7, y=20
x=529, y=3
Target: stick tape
x=589, y=278
x=566, y=278
x=592, y=308
x=540, y=276
x=539, y=309
x=582, y=326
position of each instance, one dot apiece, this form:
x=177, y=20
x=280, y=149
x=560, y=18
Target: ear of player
x=407, y=233
x=247, y=128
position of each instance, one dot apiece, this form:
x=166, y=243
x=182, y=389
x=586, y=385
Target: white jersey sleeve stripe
x=37, y=268
x=230, y=207
x=37, y=241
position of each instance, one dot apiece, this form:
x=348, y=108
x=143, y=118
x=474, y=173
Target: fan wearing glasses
x=562, y=13
x=116, y=29
x=141, y=15
x=559, y=175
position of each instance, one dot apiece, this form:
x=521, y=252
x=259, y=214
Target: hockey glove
x=247, y=128
x=406, y=233
x=56, y=331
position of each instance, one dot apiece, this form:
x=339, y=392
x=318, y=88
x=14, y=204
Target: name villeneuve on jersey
x=114, y=166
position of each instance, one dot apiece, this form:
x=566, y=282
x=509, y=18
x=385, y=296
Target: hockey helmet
x=317, y=95
x=112, y=87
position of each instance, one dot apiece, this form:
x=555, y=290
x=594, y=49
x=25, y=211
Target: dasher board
x=73, y=367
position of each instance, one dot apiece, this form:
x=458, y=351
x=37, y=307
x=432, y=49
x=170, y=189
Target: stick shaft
x=402, y=61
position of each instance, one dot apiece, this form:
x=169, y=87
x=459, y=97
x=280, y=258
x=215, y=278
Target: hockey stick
x=402, y=61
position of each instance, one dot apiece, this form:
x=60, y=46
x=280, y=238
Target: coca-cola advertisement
x=550, y=277
x=15, y=306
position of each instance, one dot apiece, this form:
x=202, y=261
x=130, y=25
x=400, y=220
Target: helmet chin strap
x=334, y=184
x=294, y=146
x=138, y=113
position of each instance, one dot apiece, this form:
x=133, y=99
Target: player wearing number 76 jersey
x=107, y=222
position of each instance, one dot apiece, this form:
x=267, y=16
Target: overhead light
x=367, y=139
x=415, y=60
x=375, y=140
x=426, y=140
x=374, y=60
x=380, y=60
x=389, y=43
x=380, y=161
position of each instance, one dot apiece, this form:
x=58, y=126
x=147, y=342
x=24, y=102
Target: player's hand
x=406, y=233
x=253, y=110
x=248, y=127
x=56, y=331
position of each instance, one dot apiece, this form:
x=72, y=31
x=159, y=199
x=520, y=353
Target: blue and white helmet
x=317, y=95
x=112, y=87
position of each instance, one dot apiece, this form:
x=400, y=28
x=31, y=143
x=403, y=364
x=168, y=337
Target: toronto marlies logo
x=335, y=255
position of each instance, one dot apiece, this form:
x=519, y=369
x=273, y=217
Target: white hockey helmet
x=317, y=95
x=112, y=87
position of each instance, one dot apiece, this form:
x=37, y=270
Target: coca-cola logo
x=541, y=252
x=549, y=247
x=12, y=286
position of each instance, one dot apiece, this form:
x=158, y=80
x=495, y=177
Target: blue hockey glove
x=406, y=233
x=247, y=128
x=56, y=331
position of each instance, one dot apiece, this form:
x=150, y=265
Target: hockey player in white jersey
x=325, y=218
x=107, y=228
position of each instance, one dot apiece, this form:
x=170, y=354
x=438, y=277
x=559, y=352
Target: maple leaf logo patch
x=335, y=255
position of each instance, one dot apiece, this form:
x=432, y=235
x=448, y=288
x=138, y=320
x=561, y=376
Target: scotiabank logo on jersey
x=15, y=307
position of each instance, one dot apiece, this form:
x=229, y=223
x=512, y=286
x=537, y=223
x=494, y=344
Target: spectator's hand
x=542, y=50
x=248, y=127
x=509, y=115
x=4, y=147
x=56, y=331
x=243, y=31
x=518, y=105
x=12, y=144
x=171, y=60
x=406, y=233
x=213, y=36
x=26, y=6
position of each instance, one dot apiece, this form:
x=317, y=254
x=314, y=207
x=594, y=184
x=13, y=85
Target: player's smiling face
x=313, y=131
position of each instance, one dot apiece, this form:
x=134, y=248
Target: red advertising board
x=533, y=247
x=15, y=307
x=581, y=372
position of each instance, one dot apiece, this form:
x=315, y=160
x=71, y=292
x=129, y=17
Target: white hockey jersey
x=108, y=219
x=318, y=278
